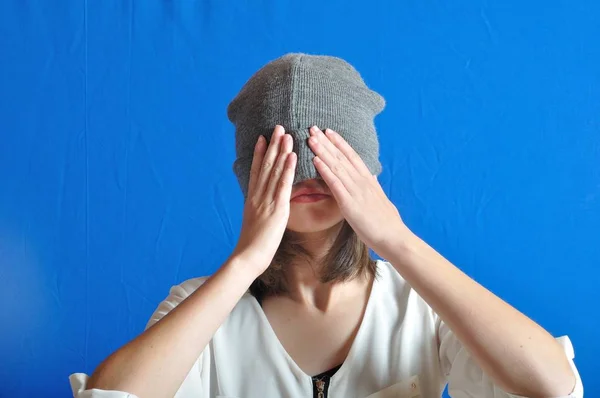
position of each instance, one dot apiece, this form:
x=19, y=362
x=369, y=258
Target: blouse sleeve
x=193, y=380
x=466, y=379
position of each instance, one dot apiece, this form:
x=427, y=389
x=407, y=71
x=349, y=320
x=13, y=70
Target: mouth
x=316, y=197
x=309, y=195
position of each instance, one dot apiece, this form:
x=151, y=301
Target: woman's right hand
x=267, y=206
x=171, y=346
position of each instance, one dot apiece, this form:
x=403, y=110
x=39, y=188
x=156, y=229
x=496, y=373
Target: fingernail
x=314, y=128
x=328, y=131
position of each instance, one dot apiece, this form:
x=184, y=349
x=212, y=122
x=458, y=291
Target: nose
x=312, y=183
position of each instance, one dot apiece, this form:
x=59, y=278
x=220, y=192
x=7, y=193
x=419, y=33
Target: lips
x=308, y=191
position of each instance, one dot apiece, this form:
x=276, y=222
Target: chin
x=314, y=217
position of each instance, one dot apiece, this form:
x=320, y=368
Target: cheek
x=314, y=217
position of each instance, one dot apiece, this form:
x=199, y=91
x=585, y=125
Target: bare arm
x=156, y=363
x=519, y=355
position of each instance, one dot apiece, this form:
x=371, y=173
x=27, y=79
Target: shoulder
x=395, y=292
x=180, y=292
x=176, y=295
x=391, y=281
x=188, y=287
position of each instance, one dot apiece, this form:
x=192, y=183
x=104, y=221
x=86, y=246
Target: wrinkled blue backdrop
x=116, y=153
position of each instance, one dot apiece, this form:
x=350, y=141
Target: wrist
x=400, y=242
x=244, y=266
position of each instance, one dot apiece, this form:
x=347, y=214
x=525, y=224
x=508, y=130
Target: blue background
x=116, y=155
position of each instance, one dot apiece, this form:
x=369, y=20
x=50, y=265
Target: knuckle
x=336, y=183
x=278, y=207
x=253, y=203
x=267, y=164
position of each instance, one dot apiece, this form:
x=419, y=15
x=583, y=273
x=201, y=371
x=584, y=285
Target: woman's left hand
x=358, y=193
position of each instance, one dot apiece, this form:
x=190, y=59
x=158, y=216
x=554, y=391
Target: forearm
x=156, y=362
x=519, y=355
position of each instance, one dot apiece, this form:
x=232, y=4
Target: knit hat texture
x=299, y=91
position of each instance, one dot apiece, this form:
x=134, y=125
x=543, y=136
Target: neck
x=303, y=277
x=317, y=244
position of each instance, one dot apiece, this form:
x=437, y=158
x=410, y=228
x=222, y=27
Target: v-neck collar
x=356, y=344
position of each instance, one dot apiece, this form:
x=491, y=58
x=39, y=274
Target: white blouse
x=402, y=349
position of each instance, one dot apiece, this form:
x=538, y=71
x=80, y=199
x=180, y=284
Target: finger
x=257, y=159
x=286, y=181
x=333, y=158
x=337, y=188
x=348, y=151
x=285, y=148
x=269, y=160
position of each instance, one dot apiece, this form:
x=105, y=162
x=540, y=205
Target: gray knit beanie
x=299, y=91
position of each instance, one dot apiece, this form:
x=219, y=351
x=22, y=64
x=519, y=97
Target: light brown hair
x=347, y=259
